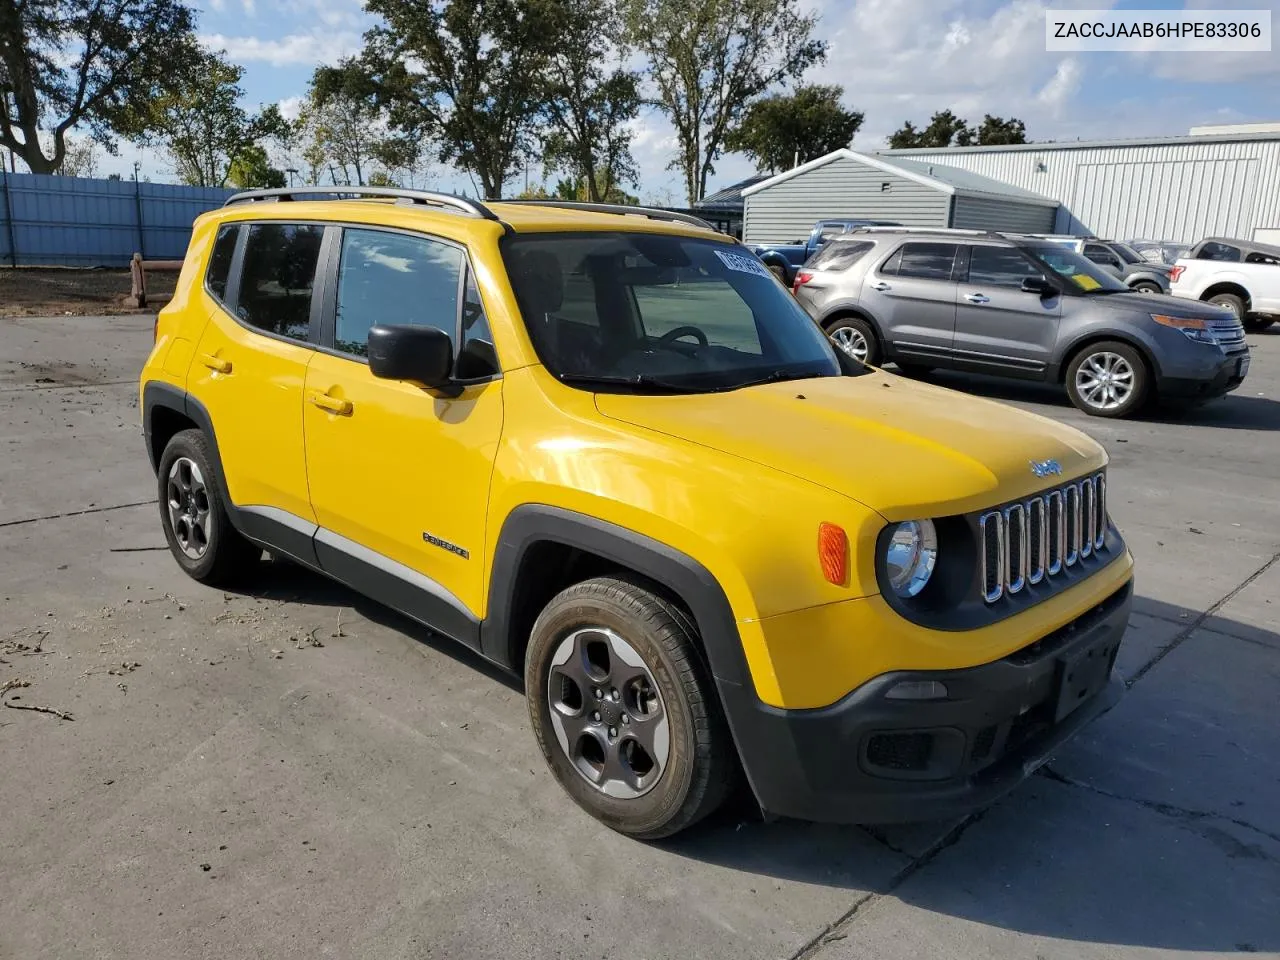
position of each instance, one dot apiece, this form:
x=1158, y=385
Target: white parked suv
x=1237, y=274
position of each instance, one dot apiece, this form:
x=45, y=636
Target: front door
x=912, y=297
x=251, y=363
x=399, y=477
x=1000, y=328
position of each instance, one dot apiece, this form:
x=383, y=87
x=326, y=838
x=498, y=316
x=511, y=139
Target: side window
x=1257, y=257
x=1219, y=251
x=1000, y=267
x=1100, y=254
x=477, y=358
x=927, y=261
x=891, y=266
x=394, y=278
x=224, y=248
x=277, y=279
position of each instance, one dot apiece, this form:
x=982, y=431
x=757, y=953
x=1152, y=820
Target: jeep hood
x=902, y=448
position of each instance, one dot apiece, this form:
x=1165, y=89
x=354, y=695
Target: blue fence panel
x=80, y=222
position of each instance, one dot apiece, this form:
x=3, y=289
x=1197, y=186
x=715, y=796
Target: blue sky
x=896, y=59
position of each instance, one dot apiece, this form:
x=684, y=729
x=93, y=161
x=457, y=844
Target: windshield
x=1081, y=274
x=1127, y=253
x=660, y=313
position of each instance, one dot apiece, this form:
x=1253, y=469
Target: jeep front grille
x=1025, y=543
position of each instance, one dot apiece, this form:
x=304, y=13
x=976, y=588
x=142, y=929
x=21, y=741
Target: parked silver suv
x=1017, y=306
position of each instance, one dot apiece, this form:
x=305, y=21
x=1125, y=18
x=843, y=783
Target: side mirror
x=422, y=355
x=1040, y=286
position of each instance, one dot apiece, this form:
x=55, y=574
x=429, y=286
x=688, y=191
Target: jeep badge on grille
x=1046, y=468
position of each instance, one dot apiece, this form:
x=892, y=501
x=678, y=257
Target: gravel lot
x=296, y=772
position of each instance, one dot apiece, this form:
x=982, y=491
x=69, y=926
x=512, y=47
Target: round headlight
x=913, y=550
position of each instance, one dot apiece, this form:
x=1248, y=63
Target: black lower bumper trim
x=871, y=759
x=1226, y=379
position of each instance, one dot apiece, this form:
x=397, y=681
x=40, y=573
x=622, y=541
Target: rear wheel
x=856, y=338
x=194, y=515
x=778, y=272
x=1231, y=302
x=624, y=710
x=1146, y=286
x=1108, y=379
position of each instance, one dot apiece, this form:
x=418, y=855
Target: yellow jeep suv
x=604, y=448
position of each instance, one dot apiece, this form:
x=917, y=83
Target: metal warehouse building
x=1219, y=182
x=912, y=192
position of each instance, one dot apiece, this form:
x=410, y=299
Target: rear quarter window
x=219, y=270
x=840, y=255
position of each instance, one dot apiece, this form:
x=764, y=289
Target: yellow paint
x=738, y=481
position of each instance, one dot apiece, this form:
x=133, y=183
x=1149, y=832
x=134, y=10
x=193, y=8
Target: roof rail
x=653, y=213
x=472, y=208
x=946, y=230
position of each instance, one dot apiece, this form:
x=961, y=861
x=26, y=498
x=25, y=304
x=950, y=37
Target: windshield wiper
x=641, y=381
x=778, y=376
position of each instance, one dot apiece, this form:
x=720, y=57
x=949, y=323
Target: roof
x=730, y=196
x=937, y=176
x=1269, y=249
x=1257, y=137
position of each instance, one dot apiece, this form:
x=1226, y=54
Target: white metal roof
x=1255, y=137
x=932, y=174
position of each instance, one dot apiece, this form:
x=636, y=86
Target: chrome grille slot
x=1071, y=513
x=1228, y=333
x=1088, y=517
x=1015, y=532
x=991, y=526
x=1037, y=540
x=1031, y=542
x=1100, y=535
x=1057, y=532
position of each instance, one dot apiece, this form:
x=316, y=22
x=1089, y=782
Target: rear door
x=912, y=297
x=1000, y=328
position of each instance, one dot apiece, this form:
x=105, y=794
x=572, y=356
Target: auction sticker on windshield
x=743, y=264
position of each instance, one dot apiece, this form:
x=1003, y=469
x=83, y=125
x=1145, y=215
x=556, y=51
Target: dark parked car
x=1018, y=306
x=1139, y=274
x=785, y=258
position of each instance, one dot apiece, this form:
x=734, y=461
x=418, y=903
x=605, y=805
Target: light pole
x=291, y=171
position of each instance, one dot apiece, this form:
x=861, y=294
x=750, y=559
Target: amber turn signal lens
x=833, y=553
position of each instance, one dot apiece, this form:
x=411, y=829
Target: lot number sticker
x=735, y=261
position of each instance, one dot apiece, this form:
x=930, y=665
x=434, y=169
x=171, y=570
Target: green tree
x=588, y=105
x=201, y=124
x=996, y=130
x=83, y=63
x=341, y=127
x=776, y=131
x=252, y=169
x=709, y=60
x=947, y=130
x=463, y=73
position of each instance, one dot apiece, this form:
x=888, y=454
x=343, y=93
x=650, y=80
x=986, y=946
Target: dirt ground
x=65, y=292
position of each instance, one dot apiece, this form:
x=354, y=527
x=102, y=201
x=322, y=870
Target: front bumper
x=1223, y=377
x=868, y=759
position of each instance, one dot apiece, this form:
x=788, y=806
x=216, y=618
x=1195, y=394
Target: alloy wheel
x=607, y=713
x=188, y=501
x=1105, y=381
x=851, y=341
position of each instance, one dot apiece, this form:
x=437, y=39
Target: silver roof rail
x=472, y=208
x=943, y=230
x=652, y=213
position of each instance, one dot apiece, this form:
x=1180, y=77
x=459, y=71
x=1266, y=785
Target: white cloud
x=296, y=48
x=250, y=8
x=217, y=6
x=291, y=107
x=1062, y=86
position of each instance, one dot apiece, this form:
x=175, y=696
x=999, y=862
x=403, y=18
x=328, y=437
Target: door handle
x=342, y=408
x=880, y=285
x=216, y=363
x=977, y=298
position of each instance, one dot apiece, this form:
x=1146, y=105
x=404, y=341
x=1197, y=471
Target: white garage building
x=1223, y=181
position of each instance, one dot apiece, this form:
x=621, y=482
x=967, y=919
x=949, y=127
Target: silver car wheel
x=1104, y=381
x=607, y=713
x=188, y=501
x=851, y=341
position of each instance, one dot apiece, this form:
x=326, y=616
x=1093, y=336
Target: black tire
x=1258, y=324
x=1231, y=302
x=780, y=273
x=227, y=556
x=1139, y=391
x=1146, y=286
x=701, y=766
x=860, y=327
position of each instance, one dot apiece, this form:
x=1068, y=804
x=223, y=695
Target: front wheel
x=624, y=710
x=1108, y=379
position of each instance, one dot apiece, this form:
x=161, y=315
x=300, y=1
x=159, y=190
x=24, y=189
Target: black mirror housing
x=1040, y=286
x=422, y=355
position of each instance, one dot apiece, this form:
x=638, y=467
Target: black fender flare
x=688, y=579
